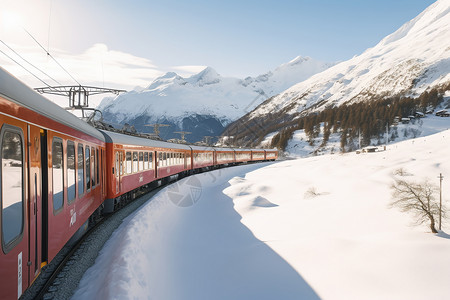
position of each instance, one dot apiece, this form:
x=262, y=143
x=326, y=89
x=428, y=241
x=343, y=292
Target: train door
x=14, y=227
x=119, y=171
x=35, y=201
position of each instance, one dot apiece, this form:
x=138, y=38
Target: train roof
x=223, y=149
x=125, y=139
x=202, y=148
x=18, y=92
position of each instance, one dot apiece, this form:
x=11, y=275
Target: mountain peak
x=163, y=81
x=298, y=60
x=205, y=77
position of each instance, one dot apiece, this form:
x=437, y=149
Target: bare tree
x=419, y=199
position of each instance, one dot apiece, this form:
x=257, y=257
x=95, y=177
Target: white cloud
x=98, y=65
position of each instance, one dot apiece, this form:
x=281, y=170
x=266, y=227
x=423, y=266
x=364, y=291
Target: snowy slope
x=172, y=97
x=412, y=59
x=254, y=232
x=299, y=145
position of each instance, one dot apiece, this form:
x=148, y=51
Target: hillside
x=203, y=103
x=407, y=63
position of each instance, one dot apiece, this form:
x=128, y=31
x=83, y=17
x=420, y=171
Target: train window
x=116, y=171
x=80, y=169
x=150, y=160
x=135, y=162
x=88, y=168
x=141, y=161
x=129, y=169
x=57, y=174
x=71, y=191
x=93, y=167
x=97, y=163
x=121, y=163
x=145, y=160
x=12, y=187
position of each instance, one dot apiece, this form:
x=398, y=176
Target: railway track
x=61, y=277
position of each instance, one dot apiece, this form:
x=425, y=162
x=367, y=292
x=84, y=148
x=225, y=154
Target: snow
x=174, y=97
x=311, y=228
x=299, y=145
x=410, y=60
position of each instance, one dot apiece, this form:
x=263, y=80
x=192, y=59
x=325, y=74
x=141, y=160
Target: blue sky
x=237, y=38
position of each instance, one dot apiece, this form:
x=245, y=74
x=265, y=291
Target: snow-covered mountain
x=203, y=103
x=414, y=58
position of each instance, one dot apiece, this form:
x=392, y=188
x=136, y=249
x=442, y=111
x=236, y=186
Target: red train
x=58, y=173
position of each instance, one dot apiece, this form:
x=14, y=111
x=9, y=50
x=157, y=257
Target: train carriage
x=48, y=190
x=133, y=162
x=202, y=158
x=271, y=154
x=243, y=155
x=224, y=156
x=258, y=155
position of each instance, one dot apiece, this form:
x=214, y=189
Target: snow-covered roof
x=18, y=92
x=118, y=138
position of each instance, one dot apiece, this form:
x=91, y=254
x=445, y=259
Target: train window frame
x=8, y=246
x=117, y=165
x=135, y=160
x=97, y=166
x=121, y=163
x=141, y=161
x=129, y=162
x=160, y=159
x=150, y=160
x=57, y=210
x=71, y=144
x=93, y=167
x=80, y=172
x=146, y=165
x=87, y=167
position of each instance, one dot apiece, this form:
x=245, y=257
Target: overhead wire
x=15, y=52
x=48, y=54
x=25, y=69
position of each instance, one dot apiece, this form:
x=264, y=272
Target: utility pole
x=440, y=199
x=359, y=138
x=386, y=140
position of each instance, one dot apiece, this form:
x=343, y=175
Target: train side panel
x=74, y=186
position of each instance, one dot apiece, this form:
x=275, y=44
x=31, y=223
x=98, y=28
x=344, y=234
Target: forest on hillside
x=367, y=120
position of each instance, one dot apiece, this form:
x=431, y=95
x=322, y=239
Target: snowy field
x=257, y=232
